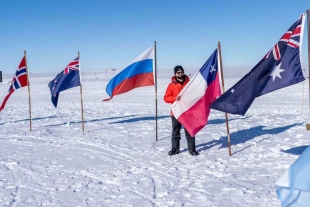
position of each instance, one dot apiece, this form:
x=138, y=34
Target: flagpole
x=308, y=20
x=28, y=90
x=81, y=92
x=302, y=98
x=155, y=68
x=223, y=87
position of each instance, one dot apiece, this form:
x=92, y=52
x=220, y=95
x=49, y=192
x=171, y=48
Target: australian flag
x=280, y=67
x=19, y=80
x=68, y=78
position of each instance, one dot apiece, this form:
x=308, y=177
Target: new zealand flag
x=281, y=67
x=19, y=80
x=68, y=78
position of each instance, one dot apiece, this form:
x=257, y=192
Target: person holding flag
x=178, y=82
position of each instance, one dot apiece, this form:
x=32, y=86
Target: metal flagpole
x=28, y=90
x=155, y=68
x=308, y=20
x=81, y=92
x=223, y=87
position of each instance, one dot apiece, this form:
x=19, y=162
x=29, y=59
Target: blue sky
x=110, y=34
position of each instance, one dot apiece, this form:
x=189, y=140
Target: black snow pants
x=176, y=136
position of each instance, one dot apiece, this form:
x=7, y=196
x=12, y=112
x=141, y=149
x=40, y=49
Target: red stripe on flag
x=144, y=79
x=277, y=52
x=6, y=99
x=22, y=63
x=286, y=36
x=292, y=44
x=297, y=31
x=196, y=117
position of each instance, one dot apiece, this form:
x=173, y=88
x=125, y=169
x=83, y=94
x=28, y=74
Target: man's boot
x=192, y=147
x=175, y=150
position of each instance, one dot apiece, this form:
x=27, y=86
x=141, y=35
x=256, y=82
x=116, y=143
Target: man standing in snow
x=178, y=82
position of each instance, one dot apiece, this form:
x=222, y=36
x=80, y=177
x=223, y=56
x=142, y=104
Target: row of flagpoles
x=280, y=67
x=68, y=78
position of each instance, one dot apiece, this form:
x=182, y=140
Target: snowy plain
x=117, y=161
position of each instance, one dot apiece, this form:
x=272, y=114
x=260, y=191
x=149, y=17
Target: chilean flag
x=137, y=74
x=193, y=109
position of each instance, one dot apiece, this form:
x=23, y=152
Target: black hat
x=177, y=68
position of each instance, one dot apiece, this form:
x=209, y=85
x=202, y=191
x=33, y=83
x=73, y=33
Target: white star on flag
x=232, y=90
x=212, y=69
x=276, y=72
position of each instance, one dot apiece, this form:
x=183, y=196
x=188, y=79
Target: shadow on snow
x=296, y=150
x=93, y=120
x=243, y=136
x=147, y=118
x=213, y=121
x=85, y=121
x=222, y=121
x=33, y=119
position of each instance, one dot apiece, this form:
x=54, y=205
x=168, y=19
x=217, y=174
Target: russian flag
x=139, y=73
x=193, y=109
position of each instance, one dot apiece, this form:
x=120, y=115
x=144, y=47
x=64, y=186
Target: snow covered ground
x=117, y=161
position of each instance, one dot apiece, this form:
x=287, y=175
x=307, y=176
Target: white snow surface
x=117, y=160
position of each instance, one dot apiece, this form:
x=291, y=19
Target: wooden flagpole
x=81, y=93
x=223, y=87
x=155, y=68
x=28, y=90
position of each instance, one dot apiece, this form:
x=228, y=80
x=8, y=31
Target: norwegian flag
x=281, y=67
x=19, y=80
x=68, y=78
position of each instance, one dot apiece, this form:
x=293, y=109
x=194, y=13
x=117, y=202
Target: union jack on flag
x=291, y=38
x=68, y=78
x=73, y=65
x=19, y=80
x=279, y=68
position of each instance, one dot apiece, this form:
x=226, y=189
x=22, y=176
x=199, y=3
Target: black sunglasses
x=180, y=72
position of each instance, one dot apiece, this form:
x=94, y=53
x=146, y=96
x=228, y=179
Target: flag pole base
x=308, y=127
